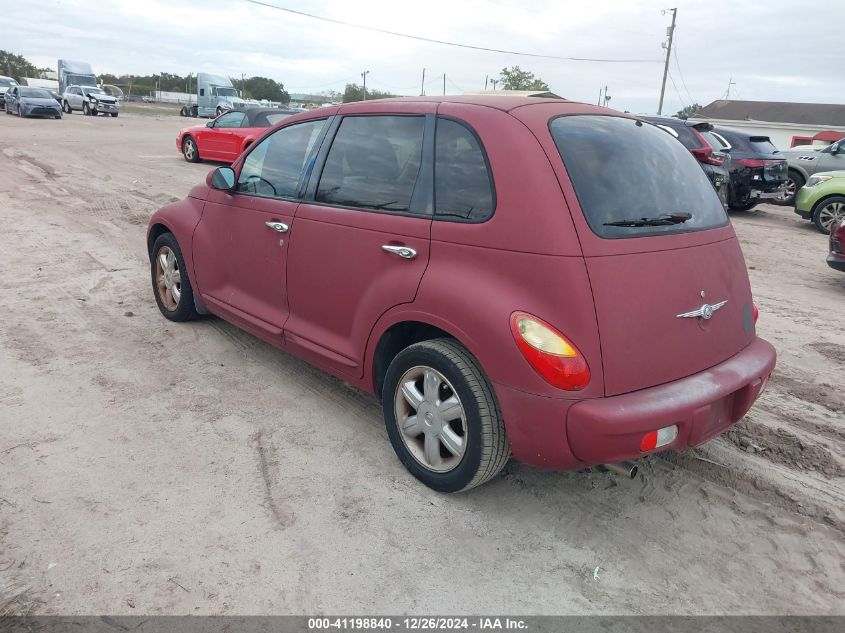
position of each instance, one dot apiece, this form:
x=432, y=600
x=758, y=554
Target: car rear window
x=762, y=145
x=622, y=170
x=713, y=140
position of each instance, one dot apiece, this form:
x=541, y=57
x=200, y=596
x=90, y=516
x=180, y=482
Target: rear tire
x=114, y=114
x=66, y=108
x=86, y=109
x=183, y=111
x=171, y=286
x=467, y=448
x=827, y=212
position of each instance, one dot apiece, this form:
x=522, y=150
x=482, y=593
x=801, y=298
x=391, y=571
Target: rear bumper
x=702, y=406
x=570, y=434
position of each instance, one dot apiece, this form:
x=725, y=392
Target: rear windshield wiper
x=661, y=220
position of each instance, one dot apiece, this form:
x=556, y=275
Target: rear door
x=645, y=278
x=362, y=239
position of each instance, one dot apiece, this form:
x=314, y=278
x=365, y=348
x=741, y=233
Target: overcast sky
x=774, y=50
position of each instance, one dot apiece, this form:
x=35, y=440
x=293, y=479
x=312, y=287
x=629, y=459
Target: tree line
x=17, y=67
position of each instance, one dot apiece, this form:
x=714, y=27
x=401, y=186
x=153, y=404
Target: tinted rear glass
x=714, y=141
x=623, y=169
x=762, y=145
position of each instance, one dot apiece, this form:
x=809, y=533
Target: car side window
x=463, y=187
x=230, y=119
x=274, y=167
x=373, y=163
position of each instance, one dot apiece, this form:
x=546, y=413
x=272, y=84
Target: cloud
x=752, y=43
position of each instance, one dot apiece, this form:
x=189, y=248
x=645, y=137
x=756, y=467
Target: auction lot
x=149, y=467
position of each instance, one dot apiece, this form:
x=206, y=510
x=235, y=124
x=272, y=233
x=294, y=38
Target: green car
x=822, y=199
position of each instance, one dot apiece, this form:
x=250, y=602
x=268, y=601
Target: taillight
x=549, y=352
x=706, y=155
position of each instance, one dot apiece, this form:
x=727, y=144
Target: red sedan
x=224, y=138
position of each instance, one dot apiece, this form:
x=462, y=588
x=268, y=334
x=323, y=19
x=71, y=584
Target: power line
x=680, y=74
x=446, y=43
x=677, y=92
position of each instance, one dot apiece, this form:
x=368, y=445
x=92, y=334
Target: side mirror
x=836, y=148
x=210, y=123
x=223, y=178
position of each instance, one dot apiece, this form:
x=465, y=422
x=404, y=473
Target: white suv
x=90, y=99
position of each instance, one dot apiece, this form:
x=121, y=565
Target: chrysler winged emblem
x=705, y=311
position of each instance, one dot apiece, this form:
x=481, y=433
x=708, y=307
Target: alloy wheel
x=830, y=213
x=190, y=150
x=169, y=278
x=431, y=419
x=788, y=191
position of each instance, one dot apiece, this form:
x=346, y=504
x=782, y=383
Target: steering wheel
x=254, y=177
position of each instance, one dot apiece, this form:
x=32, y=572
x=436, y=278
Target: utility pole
x=364, y=75
x=731, y=82
x=444, y=84
x=486, y=77
x=670, y=31
x=422, y=87
x=243, y=87
x=494, y=82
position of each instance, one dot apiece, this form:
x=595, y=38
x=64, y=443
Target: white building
x=786, y=124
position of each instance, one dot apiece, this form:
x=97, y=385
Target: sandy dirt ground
x=148, y=467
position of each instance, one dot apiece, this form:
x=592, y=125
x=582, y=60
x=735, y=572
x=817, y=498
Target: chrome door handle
x=281, y=227
x=405, y=252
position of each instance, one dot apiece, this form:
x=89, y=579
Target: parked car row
x=805, y=161
x=485, y=266
x=745, y=169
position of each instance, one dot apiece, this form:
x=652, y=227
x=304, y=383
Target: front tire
x=114, y=114
x=442, y=416
x=171, y=286
x=86, y=109
x=183, y=111
x=190, y=150
x=219, y=111
x=828, y=212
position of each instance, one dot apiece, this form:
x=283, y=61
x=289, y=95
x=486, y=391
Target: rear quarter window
x=622, y=170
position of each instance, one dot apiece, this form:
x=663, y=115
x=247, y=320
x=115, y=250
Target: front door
x=241, y=243
x=362, y=238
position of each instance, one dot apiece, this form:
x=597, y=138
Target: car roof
x=253, y=114
x=499, y=100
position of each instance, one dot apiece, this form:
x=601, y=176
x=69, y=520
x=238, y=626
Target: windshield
x=762, y=145
x=93, y=91
x=7, y=83
x=624, y=170
x=227, y=92
x=35, y=93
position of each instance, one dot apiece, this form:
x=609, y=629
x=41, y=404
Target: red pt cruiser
x=510, y=275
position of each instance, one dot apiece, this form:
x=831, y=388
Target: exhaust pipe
x=624, y=469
